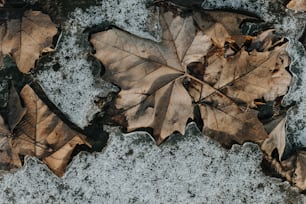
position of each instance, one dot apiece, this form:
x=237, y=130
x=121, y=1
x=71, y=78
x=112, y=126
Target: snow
x=132, y=169
x=286, y=22
x=132, y=16
x=296, y=126
x=73, y=88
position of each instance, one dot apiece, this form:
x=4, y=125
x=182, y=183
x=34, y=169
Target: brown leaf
x=297, y=5
x=40, y=133
x=8, y=159
x=228, y=25
x=26, y=38
x=299, y=176
x=293, y=168
x=58, y=160
x=276, y=140
x=231, y=21
x=15, y=110
x=161, y=83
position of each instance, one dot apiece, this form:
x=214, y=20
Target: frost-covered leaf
x=39, y=132
x=26, y=38
x=297, y=5
x=162, y=83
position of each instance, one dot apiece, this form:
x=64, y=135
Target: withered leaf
x=293, y=169
x=42, y=134
x=276, y=140
x=59, y=159
x=26, y=38
x=8, y=159
x=15, y=110
x=297, y=5
x=161, y=83
x=299, y=176
x=228, y=21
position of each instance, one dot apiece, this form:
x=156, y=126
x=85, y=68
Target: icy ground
x=132, y=169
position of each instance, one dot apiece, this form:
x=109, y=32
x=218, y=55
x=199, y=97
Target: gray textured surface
x=132, y=169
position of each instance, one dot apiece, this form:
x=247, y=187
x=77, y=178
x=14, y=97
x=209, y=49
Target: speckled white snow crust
x=73, y=88
x=132, y=169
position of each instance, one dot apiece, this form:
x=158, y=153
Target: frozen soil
x=132, y=169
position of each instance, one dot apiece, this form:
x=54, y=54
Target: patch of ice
x=132, y=169
x=73, y=88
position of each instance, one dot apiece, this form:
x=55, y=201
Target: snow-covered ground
x=132, y=169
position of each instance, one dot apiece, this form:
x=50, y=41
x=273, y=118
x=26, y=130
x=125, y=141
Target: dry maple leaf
x=161, y=83
x=37, y=132
x=26, y=38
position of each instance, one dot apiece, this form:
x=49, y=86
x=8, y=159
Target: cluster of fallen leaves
x=203, y=64
x=30, y=127
x=203, y=69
